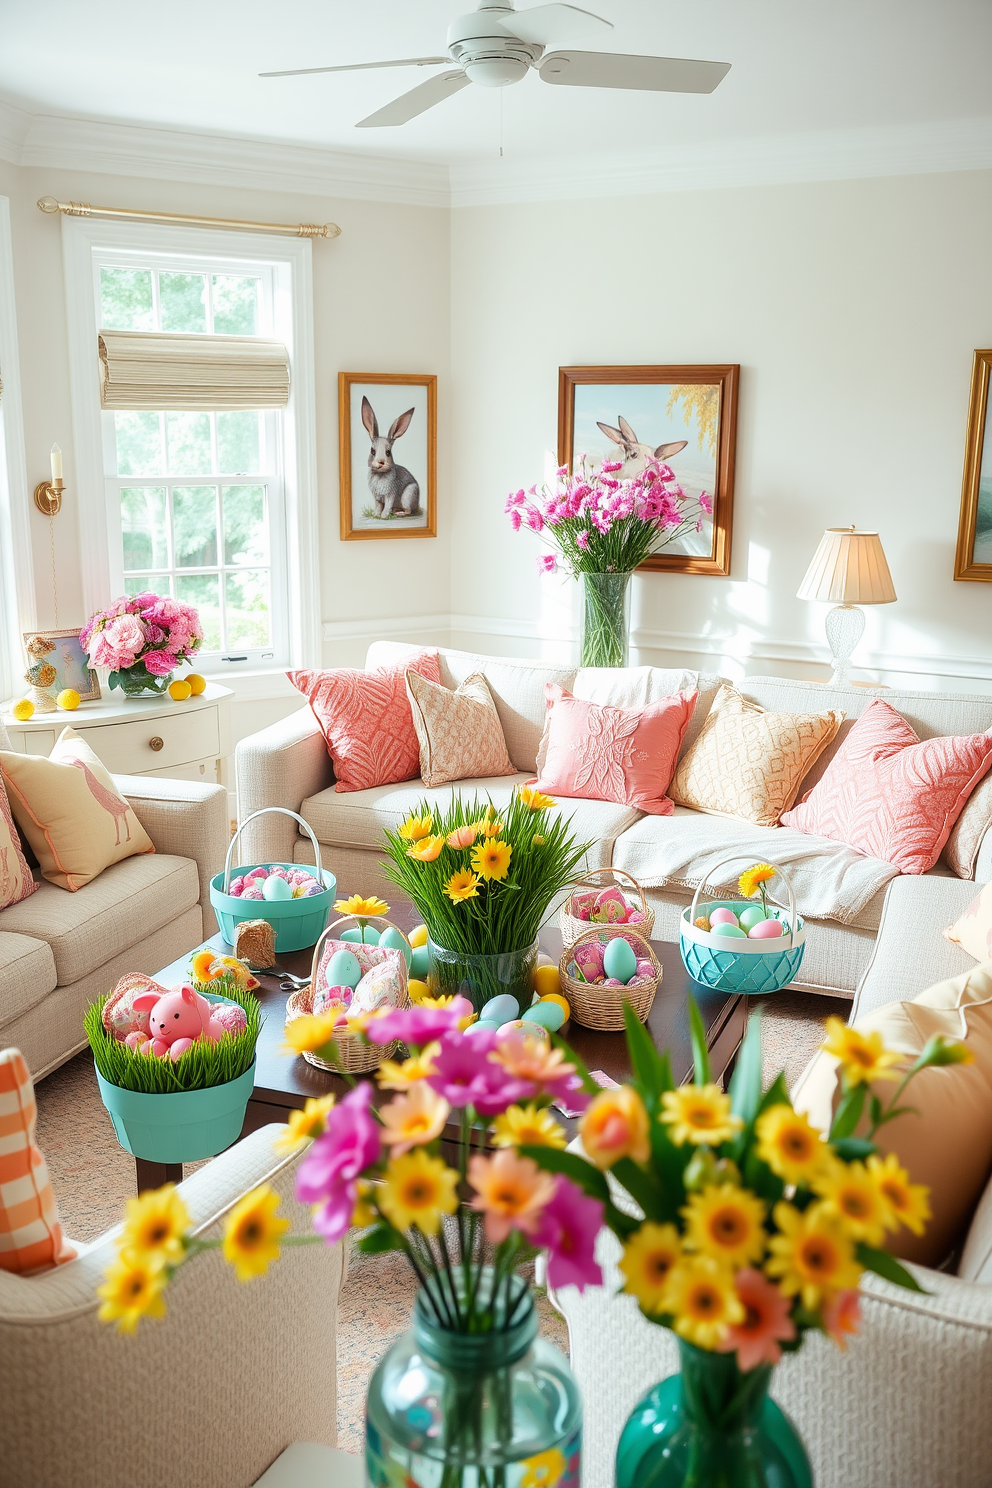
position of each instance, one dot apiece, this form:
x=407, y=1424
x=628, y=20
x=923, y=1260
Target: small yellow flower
x=492, y=859
x=310, y=1033
x=537, y=840
x=701, y=1296
x=907, y=1203
x=790, y=1146
x=492, y=828
x=726, y=1223
x=752, y=877
x=202, y=965
x=362, y=909
x=133, y=1290
x=533, y=799
x=812, y=1256
x=417, y=1190
x=648, y=1258
x=850, y=1194
x=462, y=886
x=699, y=1113
x=304, y=1125
x=614, y=1126
x=393, y=1076
x=425, y=849
x=414, y=1118
x=155, y=1225
x=416, y=827
x=528, y=1126
x=364, y=1213
x=546, y=1470
x=252, y=1232
x=862, y=1055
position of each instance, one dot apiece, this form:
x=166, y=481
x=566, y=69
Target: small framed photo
x=685, y=416
x=387, y=424
x=973, y=559
x=61, y=649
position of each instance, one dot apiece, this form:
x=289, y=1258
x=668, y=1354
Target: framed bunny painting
x=387, y=424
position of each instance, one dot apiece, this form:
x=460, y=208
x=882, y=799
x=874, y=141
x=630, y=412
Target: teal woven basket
x=298, y=923
x=726, y=964
x=179, y=1128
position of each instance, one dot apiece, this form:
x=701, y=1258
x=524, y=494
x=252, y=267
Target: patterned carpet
x=93, y=1177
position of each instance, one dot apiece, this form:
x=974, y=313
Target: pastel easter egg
x=726, y=931
x=501, y=1009
x=561, y=1001
x=418, y=936
x=589, y=959
x=396, y=941
x=237, y=884
x=276, y=888
x=723, y=917
x=236, y=893
x=546, y=979
x=619, y=960
x=258, y=873
x=543, y=959
x=252, y=893
x=299, y=892
x=343, y=970
x=483, y=1025
x=751, y=916
x=354, y=934
x=312, y=889
x=417, y=990
x=765, y=930
x=518, y=1028
x=420, y=962
x=545, y=1015
x=276, y=870
x=614, y=982
x=644, y=969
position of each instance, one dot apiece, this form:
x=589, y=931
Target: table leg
x=153, y=1174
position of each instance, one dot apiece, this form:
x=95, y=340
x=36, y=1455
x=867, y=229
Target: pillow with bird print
x=69, y=810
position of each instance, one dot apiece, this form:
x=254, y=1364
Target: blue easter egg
x=484, y=1023
x=343, y=970
x=619, y=960
x=397, y=940
x=501, y=1009
x=751, y=916
x=729, y=931
x=550, y=1015
x=419, y=964
x=354, y=933
x=276, y=888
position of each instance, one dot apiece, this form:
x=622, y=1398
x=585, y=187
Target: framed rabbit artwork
x=388, y=444
x=680, y=417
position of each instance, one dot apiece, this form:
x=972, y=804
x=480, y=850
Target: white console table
x=151, y=736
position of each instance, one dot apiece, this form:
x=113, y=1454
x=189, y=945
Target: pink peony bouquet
x=142, y=637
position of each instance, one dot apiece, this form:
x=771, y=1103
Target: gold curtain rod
x=294, y=230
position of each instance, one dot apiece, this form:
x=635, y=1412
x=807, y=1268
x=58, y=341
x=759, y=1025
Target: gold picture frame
x=71, y=663
x=374, y=410
x=975, y=522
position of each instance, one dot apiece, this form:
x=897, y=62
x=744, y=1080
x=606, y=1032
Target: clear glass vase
x=605, y=619
x=498, y=1409
x=481, y=978
x=136, y=682
x=711, y=1426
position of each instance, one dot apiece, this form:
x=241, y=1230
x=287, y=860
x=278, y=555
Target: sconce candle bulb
x=56, y=463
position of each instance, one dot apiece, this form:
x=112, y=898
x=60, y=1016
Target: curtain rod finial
x=48, y=204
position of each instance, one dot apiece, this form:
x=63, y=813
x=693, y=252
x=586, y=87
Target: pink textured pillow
x=890, y=796
x=16, y=882
x=366, y=720
x=603, y=753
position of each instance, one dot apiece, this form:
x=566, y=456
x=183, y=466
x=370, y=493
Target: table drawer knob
x=156, y=743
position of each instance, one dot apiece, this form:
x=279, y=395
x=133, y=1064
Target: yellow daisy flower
x=393, y=1076
x=252, y=1231
x=862, y=1055
x=491, y=859
x=752, y=877
x=492, y=828
x=304, y=1125
x=703, y=1301
x=416, y=827
x=414, y=1118
x=417, y=1190
x=528, y=1126
x=699, y=1113
x=133, y=1290
x=850, y=1194
x=726, y=1223
x=310, y=1033
x=155, y=1225
x=812, y=1256
x=362, y=909
x=425, y=849
x=462, y=886
x=648, y=1259
x=790, y=1146
x=907, y=1203
x=533, y=799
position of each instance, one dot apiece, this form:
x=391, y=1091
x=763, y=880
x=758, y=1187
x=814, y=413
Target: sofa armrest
x=187, y=819
x=911, y=952
x=983, y=858
x=280, y=766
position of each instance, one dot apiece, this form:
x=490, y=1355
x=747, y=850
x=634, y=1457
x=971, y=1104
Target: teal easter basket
x=185, y=1126
x=727, y=964
x=298, y=923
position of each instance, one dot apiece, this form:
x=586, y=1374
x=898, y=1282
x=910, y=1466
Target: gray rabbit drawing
x=394, y=490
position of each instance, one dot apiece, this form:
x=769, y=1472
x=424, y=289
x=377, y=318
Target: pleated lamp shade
x=848, y=567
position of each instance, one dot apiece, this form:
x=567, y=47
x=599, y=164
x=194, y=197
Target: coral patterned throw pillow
x=890, y=795
x=366, y=720
x=16, y=882
x=31, y=1236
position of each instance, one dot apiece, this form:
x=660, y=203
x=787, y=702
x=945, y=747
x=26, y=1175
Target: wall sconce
x=48, y=494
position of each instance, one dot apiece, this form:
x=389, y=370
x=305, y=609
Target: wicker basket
x=572, y=927
x=599, y=1007
x=354, y=1054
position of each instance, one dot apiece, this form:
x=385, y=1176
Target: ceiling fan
x=497, y=45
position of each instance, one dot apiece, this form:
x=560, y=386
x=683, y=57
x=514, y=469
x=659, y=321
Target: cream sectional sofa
x=841, y=893
x=59, y=951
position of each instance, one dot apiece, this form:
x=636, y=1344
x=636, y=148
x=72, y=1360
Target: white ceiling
x=799, y=67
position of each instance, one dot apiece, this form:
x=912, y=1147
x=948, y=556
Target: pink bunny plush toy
x=176, y=1020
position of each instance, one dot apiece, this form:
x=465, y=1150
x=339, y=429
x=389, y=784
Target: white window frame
x=89, y=243
x=17, y=597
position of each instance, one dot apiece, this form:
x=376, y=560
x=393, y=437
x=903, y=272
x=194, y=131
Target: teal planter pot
x=179, y=1128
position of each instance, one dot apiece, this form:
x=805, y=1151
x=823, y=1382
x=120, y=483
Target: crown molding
x=14, y=126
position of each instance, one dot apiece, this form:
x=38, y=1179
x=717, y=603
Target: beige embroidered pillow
x=972, y=930
x=70, y=811
x=961, y=851
x=459, y=733
x=748, y=763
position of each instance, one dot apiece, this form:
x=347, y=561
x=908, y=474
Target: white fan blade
x=417, y=101
x=546, y=25
x=614, y=70
x=360, y=66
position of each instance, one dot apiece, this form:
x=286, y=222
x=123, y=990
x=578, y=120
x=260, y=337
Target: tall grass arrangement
x=199, y=1068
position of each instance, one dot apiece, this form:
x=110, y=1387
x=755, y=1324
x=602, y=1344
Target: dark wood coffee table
x=284, y=1082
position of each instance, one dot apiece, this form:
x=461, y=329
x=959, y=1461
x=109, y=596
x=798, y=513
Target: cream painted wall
x=853, y=308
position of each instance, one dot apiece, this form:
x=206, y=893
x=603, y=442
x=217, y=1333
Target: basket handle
x=739, y=858
x=332, y=927
x=283, y=811
x=595, y=873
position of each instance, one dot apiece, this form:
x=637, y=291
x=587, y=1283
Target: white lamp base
x=845, y=625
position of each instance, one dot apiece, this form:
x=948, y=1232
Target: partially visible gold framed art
x=387, y=492
x=973, y=559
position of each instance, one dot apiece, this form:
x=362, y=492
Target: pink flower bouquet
x=141, y=640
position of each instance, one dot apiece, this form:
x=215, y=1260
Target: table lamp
x=848, y=570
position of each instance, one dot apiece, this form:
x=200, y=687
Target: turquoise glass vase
x=495, y=1409
x=711, y=1426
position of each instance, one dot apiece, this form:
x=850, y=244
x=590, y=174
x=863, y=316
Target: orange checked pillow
x=31, y=1236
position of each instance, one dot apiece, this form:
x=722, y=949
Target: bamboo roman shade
x=159, y=369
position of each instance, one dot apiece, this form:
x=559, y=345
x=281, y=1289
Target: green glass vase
x=136, y=682
x=605, y=619
x=481, y=978
x=711, y=1426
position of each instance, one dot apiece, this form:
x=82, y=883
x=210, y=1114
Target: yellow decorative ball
x=545, y=980
x=418, y=937
x=23, y=709
x=417, y=990
x=562, y=1002
x=197, y=684
x=68, y=699
x=180, y=690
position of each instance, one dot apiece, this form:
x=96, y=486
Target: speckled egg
x=343, y=970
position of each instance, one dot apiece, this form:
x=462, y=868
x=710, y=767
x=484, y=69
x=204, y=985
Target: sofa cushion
x=16, y=881
x=458, y=730
x=27, y=973
x=961, y=848
x=117, y=910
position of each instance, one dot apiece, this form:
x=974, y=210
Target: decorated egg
x=726, y=931
x=343, y=970
x=722, y=917
x=258, y=873
x=396, y=941
x=644, y=969
x=589, y=959
x=545, y=980
x=501, y=1009
x=252, y=893
x=546, y=1014
x=311, y=889
x=237, y=884
x=610, y=894
x=354, y=933
x=752, y=915
x=418, y=936
x=419, y=962
x=765, y=930
x=610, y=913
x=518, y=1028
x=613, y=982
x=619, y=960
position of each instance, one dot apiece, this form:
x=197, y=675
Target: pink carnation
x=160, y=663
x=118, y=644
